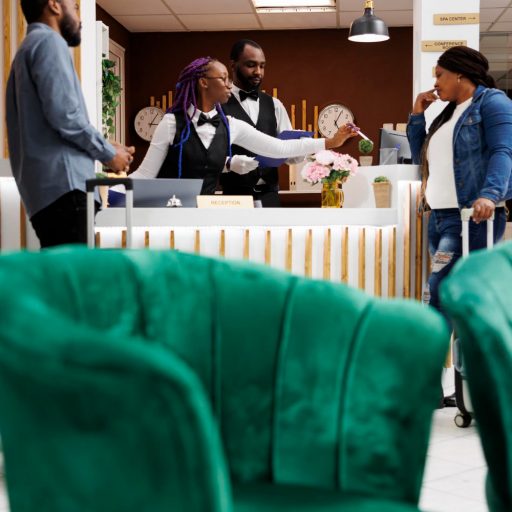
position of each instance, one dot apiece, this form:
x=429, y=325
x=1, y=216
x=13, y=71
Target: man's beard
x=245, y=85
x=70, y=31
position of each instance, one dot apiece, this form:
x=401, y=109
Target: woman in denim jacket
x=466, y=157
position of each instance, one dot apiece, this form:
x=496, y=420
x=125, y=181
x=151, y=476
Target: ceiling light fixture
x=283, y=6
x=368, y=28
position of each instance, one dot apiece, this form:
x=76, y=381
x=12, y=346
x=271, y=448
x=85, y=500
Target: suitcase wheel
x=462, y=420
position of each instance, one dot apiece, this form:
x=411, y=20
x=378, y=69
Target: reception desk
x=379, y=250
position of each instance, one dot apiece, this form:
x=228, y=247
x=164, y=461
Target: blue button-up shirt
x=52, y=144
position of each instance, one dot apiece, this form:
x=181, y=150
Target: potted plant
x=382, y=192
x=365, y=148
x=111, y=92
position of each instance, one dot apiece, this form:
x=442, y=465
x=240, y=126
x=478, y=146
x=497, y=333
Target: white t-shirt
x=440, y=192
x=242, y=134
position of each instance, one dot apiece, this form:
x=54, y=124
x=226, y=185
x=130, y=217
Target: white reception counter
x=379, y=250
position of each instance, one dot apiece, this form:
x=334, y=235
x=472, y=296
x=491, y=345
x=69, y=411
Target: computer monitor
x=156, y=193
x=394, y=139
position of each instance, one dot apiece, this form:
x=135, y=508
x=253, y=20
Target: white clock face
x=332, y=117
x=146, y=122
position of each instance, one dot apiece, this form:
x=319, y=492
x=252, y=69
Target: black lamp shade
x=368, y=28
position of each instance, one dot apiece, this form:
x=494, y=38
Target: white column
x=88, y=58
x=424, y=29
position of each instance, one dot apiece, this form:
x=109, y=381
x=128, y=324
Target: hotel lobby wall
x=321, y=66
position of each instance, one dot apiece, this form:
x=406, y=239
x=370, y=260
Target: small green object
x=381, y=179
x=365, y=146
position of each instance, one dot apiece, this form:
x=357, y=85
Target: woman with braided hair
x=194, y=138
x=466, y=157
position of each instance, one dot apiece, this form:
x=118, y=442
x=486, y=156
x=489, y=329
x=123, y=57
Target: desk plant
x=382, y=192
x=365, y=148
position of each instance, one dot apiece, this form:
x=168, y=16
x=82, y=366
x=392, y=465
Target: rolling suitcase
x=90, y=187
x=465, y=415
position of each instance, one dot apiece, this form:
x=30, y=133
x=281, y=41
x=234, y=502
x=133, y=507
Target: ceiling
x=237, y=15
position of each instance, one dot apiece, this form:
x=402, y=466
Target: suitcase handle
x=90, y=186
x=465, y=216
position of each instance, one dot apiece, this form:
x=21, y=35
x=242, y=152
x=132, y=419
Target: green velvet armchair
x=321, y=395
x=477, y=296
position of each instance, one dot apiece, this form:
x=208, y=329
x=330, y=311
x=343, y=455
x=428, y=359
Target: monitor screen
x=394, y=139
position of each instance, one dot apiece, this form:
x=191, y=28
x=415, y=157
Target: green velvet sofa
x=477, y=296
x=140, y=380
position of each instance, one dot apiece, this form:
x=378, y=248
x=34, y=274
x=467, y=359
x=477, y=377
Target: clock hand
x=151, y=124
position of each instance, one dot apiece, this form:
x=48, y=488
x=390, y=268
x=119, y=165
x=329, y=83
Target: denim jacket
x=482, y=147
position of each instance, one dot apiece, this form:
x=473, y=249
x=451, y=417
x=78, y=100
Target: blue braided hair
x=186, y=95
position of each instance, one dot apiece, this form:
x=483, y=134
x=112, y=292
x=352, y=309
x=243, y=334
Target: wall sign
x=462, y=18
x=441, y=45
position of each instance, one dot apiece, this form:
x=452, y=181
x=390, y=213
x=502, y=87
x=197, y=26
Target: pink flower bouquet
x=328, y=166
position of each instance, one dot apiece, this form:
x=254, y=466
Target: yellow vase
x=332, y=194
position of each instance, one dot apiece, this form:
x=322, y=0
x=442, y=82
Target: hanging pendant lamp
x=368, y=28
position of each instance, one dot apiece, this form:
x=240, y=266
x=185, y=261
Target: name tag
x=225, y=202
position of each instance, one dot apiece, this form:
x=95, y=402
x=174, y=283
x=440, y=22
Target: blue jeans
x=445, y=244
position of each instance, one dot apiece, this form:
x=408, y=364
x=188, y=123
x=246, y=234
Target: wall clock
x=146, y=121
x=332, y=117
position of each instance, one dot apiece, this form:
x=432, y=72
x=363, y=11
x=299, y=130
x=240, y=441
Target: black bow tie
x=214, y=121
x=253, y=95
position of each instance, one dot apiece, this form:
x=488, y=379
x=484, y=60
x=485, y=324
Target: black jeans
x=63, y=221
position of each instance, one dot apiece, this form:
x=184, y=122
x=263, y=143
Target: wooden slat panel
x=197, y=241
x=247, y=244
x=222, y=243
x=418, y=282
x=23, y=227
x=170, y=98
x=362, y=259
x=304, y=114
x=378, y=264
x=392, y=264
x=308, y=260
x=146, y=239
x=327, y=255
x=344, y=255
x=7, y=60
x=123, y=238
x=274, y=92
x=289, y=251
x=407, y=243
x=292, y=116
x=77, y=56
x=268, y=247
x=97, y=239
x=315, y=122
x=172, y=242
x=22, y=25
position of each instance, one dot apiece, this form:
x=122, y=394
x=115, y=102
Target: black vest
x=197, y=161
x=232, y=183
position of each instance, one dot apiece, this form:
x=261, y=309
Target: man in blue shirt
x=52, y=144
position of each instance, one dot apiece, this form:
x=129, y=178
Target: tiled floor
x=454, y=476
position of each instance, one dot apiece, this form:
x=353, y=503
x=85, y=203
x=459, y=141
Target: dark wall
x=321, y=66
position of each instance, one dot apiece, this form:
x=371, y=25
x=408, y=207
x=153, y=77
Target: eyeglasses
x=226, y=80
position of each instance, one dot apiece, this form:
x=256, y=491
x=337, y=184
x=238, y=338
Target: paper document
x=265, y=161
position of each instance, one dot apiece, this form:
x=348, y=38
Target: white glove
x=241, y=164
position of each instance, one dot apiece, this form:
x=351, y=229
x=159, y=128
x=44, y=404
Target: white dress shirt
x=242, y=134
x=252, y=108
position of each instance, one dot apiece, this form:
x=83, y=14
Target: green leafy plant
x=381, y=179
x=365, y=146
x=111, y=94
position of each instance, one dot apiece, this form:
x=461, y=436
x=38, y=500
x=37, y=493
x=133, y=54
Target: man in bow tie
x=260, y=110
